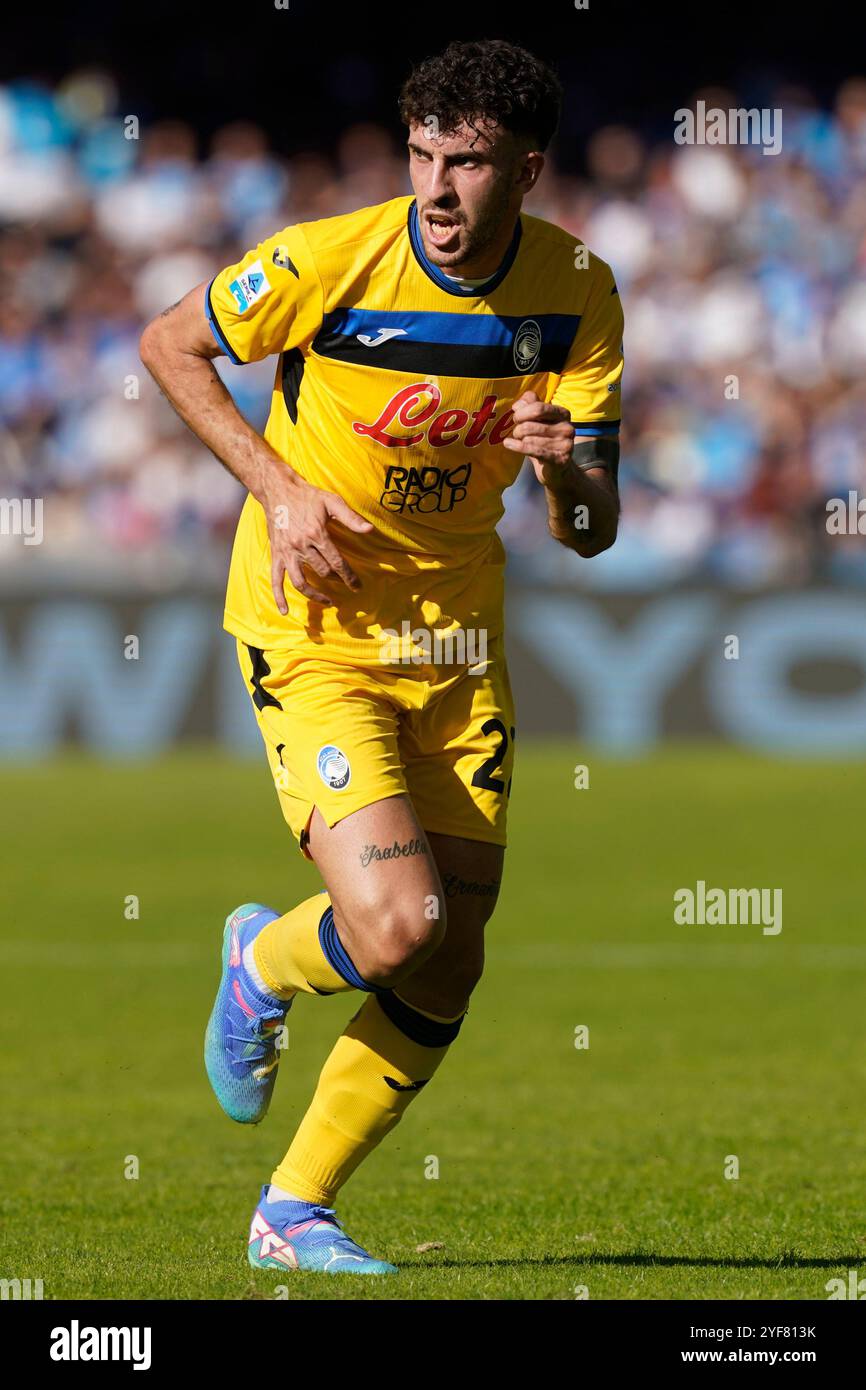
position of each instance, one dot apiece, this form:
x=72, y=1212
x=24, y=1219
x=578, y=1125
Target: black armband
x=596, y=453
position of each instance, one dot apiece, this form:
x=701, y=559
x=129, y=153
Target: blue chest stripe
x=488, y=330
x=483, y=346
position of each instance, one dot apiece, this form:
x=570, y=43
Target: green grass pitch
x=558, y=1168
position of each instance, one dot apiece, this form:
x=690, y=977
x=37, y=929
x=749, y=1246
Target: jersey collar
x=439, y=278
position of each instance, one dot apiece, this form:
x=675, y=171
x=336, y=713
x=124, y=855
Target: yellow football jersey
x=394, y=394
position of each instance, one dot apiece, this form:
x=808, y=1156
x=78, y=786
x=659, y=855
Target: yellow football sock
x=374, y=1071
x=289, y=956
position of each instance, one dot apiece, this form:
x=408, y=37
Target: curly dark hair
x=488, y=79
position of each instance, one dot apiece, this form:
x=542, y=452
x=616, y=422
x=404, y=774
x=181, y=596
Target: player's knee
x=400, y=937
x=445, y=984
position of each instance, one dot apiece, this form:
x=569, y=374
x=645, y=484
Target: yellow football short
x=340, y=737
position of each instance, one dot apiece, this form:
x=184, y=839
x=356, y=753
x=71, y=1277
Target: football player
x=423, y=349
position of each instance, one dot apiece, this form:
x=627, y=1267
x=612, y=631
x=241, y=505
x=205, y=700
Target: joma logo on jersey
x=429, y=489
x=416, y=408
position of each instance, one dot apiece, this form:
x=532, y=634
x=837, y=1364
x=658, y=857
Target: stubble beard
x=478, y=239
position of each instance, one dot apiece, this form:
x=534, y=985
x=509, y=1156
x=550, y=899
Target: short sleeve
x=589, y=387
x=272, y=299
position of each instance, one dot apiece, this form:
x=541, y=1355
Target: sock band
x=426, y=1031
x=338, y=957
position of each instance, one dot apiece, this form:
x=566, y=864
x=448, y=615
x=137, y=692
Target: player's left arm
x=572, y=438
x=578, y=474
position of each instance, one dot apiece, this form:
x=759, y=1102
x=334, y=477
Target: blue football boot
x=241, y=1046
x=300, y=1235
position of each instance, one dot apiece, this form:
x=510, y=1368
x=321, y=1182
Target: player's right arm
x=178, y=348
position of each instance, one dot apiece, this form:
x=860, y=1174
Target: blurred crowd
x=742, y=275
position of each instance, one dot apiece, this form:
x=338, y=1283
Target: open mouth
x=442, y=229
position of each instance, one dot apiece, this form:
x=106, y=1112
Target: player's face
x=468, y=187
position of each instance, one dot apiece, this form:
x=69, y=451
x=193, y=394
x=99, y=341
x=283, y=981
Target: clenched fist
x=543, y=433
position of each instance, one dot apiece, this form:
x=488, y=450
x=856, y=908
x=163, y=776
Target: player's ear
x=530, y=171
